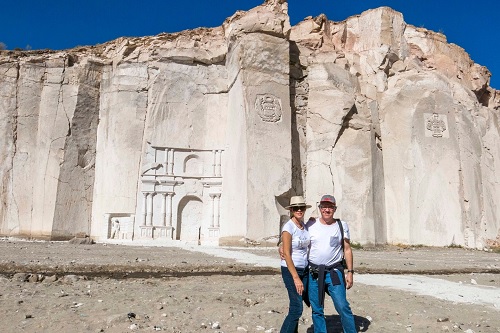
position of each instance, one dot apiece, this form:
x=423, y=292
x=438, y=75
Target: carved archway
x=189, y=217
x=193, y=165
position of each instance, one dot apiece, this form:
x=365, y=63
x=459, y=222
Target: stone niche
x=180, y=193
x=119, y=226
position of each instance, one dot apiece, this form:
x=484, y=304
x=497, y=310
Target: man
x=325, y=266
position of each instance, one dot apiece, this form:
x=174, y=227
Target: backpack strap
x=342, y=242
x=342, y=233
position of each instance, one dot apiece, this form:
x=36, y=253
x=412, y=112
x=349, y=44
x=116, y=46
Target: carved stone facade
x=180, y=195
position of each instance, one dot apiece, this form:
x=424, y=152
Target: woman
x=295, y=238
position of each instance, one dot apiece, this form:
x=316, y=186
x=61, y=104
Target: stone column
x=165, y=161
x=216, y=210
x=169, y=209
x=149, y=213
x=170, y=162
x=164, y=209
x=212, y=217
x=218, y=163
x=144, y=208
x=214, y=165
x=214, y=223
x=261, y=95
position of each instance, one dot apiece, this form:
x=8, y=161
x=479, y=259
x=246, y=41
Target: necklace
x=298, y=224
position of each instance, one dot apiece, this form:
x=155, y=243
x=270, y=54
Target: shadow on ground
x=333, y=324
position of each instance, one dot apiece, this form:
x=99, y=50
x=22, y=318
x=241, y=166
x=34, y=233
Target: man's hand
x=280, y=250
x=349, y=280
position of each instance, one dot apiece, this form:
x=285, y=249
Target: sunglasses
x=297, y=208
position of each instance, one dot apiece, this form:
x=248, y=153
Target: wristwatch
x=351, y=271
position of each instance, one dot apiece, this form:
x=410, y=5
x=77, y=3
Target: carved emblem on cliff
x=435, y=125
x=268, y=107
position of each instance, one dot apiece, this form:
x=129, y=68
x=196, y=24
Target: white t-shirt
x=300, y=244
x=326, y=247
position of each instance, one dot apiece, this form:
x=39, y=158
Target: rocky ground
x=62, y=287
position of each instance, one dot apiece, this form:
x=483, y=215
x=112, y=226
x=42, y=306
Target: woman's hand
x=286, y=253
x=298, y=285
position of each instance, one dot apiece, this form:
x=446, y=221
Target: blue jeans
x=338, y=295
x=291, y=323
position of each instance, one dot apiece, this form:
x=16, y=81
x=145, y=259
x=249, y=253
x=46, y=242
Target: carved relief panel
x=436, y=125
x=268, y=107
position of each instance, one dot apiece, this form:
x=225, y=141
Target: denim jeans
x=338, y=295
x=291, y=323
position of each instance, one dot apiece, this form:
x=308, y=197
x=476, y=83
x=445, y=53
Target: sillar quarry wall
x=203, y=135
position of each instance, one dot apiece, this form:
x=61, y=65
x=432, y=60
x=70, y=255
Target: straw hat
x=297, y=201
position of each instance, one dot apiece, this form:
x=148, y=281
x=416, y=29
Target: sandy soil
x=116, y=288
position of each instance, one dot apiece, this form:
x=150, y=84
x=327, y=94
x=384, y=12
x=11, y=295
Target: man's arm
x=281, y=252
x=350, y=263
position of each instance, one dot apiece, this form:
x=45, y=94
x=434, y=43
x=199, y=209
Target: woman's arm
x=287, y=252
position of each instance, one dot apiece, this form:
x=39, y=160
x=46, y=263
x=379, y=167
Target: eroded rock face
x=203, y=135
x=407, y=152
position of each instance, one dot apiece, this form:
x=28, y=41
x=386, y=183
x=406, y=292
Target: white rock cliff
x=202, y=136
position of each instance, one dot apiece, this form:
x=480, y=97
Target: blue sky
x=57, y=24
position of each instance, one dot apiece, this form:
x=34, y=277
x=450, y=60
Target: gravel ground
x=63, y=287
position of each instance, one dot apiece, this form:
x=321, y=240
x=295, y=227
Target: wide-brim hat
x=297, y=201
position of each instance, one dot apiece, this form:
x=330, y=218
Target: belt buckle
x=314, y=272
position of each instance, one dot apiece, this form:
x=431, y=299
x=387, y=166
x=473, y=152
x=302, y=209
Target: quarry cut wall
x=202, y=136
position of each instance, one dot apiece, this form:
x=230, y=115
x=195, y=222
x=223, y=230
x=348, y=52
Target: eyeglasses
x=297, y=208
x=328, y=207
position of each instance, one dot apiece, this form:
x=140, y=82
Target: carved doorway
x=189, y=219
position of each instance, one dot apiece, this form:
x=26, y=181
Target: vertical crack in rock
x=378, y=141
x=330, y=168
x=6, y=178
x=298, y=103
x=15, y=117
x=43, y=80
x=61, y=99
x=463, y=202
